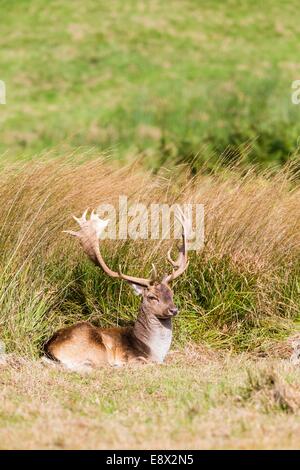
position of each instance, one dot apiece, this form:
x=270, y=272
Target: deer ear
x=138, y=290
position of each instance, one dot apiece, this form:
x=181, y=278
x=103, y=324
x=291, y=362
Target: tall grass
x=241, y=291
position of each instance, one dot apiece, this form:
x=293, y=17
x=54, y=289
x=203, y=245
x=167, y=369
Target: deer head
x=157, y=297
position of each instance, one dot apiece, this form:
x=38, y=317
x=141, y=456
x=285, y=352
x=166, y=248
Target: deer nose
x=173, y=311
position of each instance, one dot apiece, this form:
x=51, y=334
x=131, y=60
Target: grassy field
x=171, y=81
x=220, y=402
x=169, y=102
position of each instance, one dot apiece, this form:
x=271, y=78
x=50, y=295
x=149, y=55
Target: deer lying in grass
x=84, y=345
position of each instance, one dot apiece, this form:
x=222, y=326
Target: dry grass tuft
x=266, y=388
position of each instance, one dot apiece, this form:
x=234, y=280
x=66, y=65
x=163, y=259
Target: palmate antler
x=90, y=233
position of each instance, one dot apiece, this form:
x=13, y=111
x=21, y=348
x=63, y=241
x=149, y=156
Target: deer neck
x=155, y=333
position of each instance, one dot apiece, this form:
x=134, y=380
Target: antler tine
x=181, y=264
x=153, y=276
x=82, y=219
x=169, y=258
x=71, y=232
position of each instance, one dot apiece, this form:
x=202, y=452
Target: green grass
x=218, y=402
x=173, y=81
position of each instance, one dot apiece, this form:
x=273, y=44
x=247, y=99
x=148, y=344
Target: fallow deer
x=84, y=346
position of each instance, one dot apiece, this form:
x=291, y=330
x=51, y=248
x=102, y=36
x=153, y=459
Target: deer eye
x=151, y=297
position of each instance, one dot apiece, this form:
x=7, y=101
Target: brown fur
x=95, y=346
x=86, y=345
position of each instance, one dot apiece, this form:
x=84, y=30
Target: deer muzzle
x=173, y=311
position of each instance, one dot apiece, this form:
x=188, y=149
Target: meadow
x=188, y=103
x=179, y=81
x=219, y=402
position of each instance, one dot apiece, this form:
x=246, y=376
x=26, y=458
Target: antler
x=181, y=263
x=89, y=235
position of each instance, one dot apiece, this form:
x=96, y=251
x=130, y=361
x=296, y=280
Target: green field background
x=177, y=81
